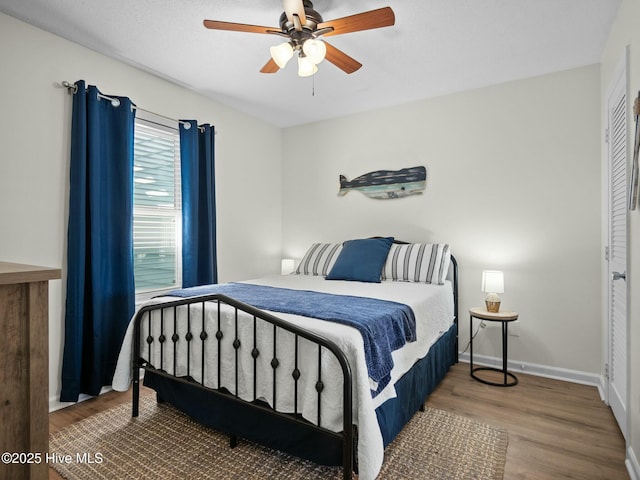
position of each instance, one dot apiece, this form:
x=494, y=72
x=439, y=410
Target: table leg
x=505, y=336
x=471, y=344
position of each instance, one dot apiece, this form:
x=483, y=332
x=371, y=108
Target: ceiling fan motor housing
x=304, y=32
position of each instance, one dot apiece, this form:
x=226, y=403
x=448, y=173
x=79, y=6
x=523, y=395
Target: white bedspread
x=433, y=308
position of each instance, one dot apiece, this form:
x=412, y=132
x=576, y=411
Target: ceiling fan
x=302, y=26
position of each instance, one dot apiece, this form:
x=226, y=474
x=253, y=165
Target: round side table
x=504, y=318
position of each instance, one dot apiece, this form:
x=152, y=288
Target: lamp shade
x=315, y=50
x=286, y=267
x=492, y=281
x=306, y=68
x=281, y=54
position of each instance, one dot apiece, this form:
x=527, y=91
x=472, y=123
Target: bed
x=265, y=370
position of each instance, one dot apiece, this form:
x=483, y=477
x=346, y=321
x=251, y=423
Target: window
x=156, y=208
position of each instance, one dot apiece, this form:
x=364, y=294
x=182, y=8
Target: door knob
x=618, y=276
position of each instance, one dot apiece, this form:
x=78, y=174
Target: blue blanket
x=385, y=326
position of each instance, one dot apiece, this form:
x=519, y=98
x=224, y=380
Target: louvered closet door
x=617, y=297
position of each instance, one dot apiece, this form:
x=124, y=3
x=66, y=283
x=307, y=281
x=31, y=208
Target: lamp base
x=492, y=301
x=493, y=307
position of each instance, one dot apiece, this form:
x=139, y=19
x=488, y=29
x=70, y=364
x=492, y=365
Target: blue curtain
x=100, y=283
x=199, y=263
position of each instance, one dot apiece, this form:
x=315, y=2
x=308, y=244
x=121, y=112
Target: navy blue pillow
x=361, y=260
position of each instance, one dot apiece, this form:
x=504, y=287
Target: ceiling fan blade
x=381, y=17
x=239, y=27
x=294, y=7
x=341, y=60
x=270, y=67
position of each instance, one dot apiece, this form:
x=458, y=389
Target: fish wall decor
x=385, y=184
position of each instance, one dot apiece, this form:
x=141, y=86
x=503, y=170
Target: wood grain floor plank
x=556, y=429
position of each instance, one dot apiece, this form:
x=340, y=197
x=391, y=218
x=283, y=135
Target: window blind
x=157, y=208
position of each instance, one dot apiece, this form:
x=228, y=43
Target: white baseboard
x=632, y=465
x=574, y=376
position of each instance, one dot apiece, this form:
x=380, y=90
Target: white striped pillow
x=417, y=262
x=319, y=259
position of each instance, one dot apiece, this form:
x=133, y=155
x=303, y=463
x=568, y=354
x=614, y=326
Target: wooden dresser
x=24, y=369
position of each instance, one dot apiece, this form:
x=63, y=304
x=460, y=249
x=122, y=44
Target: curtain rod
x=116, y=103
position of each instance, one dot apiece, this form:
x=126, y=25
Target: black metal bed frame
x=169, y=336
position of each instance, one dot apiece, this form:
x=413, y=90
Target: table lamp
x=492, y=283
x=287, y=266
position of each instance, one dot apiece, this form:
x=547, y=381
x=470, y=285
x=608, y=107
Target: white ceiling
x=436, y=47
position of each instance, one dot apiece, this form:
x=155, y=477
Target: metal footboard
x=163, y=327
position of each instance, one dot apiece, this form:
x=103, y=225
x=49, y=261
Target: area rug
x=163, y=443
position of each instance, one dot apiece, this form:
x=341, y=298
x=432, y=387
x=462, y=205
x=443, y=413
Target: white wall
x=34, y=134
x=513, y=183
x=625, y=33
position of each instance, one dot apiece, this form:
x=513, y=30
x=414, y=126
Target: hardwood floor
x=556, y=429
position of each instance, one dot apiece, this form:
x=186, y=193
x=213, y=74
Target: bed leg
x=136, y=398
x=422, y=407
x=233, y=441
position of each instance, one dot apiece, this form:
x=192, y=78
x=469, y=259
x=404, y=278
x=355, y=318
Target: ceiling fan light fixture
x=281, y=54
x=306, y=67
x=315, y=50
